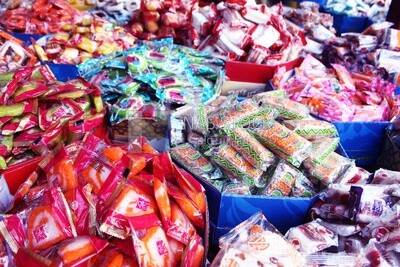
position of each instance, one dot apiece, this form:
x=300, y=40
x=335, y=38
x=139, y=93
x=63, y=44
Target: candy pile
x=38, y=113
x=374, y=52
x=318, y=26
x=137, y=82
x=12, y=54
x=243, y=30
x=116, y=11
x=266, y=145
x=376, y=10
x=97, y=204
x=160, y=19
x=44, y=16
x=336, y=94
x=353, y=216
x=256, y=242
x=91, y=38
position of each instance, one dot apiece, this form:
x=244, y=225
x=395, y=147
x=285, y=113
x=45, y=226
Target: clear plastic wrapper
x=282, y=181
x=311, y=129
x=249, y=148
x=383, y=176
x=329, y=169
x=233, y=114
x=304, y=187
x=195, y=162
x=354, y=175
x=311, y=237
x=255, y=242
x=335, y=260
x=322, y=148
x=288, y=109
x=291, y=146
x=236, y=166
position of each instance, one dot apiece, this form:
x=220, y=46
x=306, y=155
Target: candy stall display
x=150, y=80
x=97, y=204
x=39, y=113
x=261, y=153
x=77, y=42
x=39, y=17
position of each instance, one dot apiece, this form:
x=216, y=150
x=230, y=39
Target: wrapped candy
x=383, y=176
x=354, y=175
x=279, y=139
x=311, y=129
x=191, y=159
x=322, y=148
x=249, y=148
x=282, y=181
x=236, y=166
x=287, y=108
x=254, y=242
x=311, y=237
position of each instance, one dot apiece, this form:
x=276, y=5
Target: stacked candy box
x=144, y=84
x=360, y=105
x=263, y=153
x=93, y=203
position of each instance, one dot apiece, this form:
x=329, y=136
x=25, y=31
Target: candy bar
x=249, y=148
x=282, y=181
x=322, y=148
x=194, y=161
x=237, y=166
x=287, y=108
x=279, y=139
x=311, y=129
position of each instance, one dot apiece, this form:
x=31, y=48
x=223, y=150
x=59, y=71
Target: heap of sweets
x=38, y=113
x=266, y=145
x=373, y=52
x=39, y=17
x=116, y=11
x=245, y=31
x=150, y=79
x=315, y=25
x=96, y=204
x=336, y=94
x=92, y=37
x=13, y=55
x=256, y=242
x=357, y=213
x=81, y=4
x=157, y=19
x=375, y=10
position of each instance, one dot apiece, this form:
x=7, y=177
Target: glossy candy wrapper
x=282, y=181
x=236, y=166
x=311, y=129
x=303, y=187
x=249, y=148
x=287, y=108
x=322, y=148
x=329, y=169
x=335, y=259
x=311, y=237
x=195, y=162
x=281, y=140
x=354, y=175
x=254, y=242
x=383, y=176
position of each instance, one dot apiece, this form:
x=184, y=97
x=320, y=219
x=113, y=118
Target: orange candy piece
x=113, y=154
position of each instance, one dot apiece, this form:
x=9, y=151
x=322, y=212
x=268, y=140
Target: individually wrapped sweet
x=195, y=162
x=290, y=146
x=288, y=109
x=257, y=119
x=311, y=129
x=282, y=181
x=311, y=237
x=303, y=187
x=254, y=242
x=329, y=169
x=322, y=148
x=74, y=251
x=354, y=175
x=236, y=166
x=237, y=188
x=232, y=114
x=249, y=147
x=384, y=176
x=193, y=255
x=342, y=229
x=197, y=123
x=335, y=259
